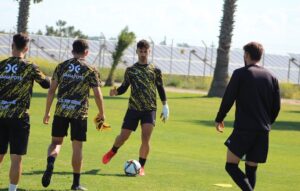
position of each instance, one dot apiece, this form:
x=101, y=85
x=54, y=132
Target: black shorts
x=132, y=118
x=254, y=145
x=15, y=132
x=60, y=128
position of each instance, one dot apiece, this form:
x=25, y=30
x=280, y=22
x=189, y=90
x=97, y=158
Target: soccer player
x=73, y=78
x=16, y=82
x=144, y=78
x=255, y=92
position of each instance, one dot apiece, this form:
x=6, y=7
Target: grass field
x=187, y=153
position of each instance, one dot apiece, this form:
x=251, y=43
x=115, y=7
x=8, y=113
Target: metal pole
x=189, y=66
x=171, y=58
x=299, y=76
x=211, y=57
x=289, y=68
x=205, y=56
x=37, y=46
x=9, y=43
x=59, y=54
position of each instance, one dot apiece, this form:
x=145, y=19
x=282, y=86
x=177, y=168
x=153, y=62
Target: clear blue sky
x=274, y=23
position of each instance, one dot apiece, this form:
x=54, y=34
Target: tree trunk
x=220, y=78
x=110, y=79
x=23, y=16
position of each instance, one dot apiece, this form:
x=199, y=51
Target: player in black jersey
x=256, y=94
x=73, y=78
x=16, y=81
x=144, y=79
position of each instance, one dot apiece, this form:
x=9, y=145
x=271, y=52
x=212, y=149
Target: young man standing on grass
x=256, y=94
x=73, y=78
x=16, y=82
x=144, y=79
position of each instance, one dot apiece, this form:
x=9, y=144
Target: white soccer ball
x=132, y=167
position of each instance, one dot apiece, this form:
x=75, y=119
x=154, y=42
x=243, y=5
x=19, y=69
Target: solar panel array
x=194, y=61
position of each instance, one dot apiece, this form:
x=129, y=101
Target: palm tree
x=23, y=16
x=125, y=38
x=220, y=78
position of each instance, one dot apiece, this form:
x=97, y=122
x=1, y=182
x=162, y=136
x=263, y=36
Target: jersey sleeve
x=40, y=77
x=160, y=85
x=56, y=75
x=229, y=97
x=94, y=79
x=125, y=84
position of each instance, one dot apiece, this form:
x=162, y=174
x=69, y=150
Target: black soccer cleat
x=46, y=179
x=79, y=187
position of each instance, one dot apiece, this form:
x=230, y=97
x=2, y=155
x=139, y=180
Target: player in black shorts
x=144, y=79
x=73, y=78
x=255, y=92
x=16, y=81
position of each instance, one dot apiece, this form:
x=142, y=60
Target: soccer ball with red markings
x=132, y=167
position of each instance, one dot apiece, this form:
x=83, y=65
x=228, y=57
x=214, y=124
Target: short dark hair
x=20, y=41
x=80, y=46
x=143, y=44
x=255, y=50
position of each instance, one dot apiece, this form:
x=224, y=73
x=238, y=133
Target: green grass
x=186, y=154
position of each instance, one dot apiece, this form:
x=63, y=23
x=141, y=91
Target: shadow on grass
x=280, y=125
x=116, y=175
x=37, y=172
x=20, y=189
x=294, y=112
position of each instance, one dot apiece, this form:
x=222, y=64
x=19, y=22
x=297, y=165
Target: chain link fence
x=189, y=60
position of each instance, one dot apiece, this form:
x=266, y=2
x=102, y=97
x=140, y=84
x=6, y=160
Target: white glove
x=165, y=113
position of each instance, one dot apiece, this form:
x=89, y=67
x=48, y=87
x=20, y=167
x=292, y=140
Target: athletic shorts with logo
x=15, y=133
x=61, y=125
x=254, y=145
x=132, y=118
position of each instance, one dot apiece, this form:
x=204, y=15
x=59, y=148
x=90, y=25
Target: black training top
x=75, y=78
x=256, y=93
x=144, y=79
x=16, y=82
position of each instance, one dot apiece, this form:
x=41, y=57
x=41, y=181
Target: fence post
x=289, y=68
x=171, y=58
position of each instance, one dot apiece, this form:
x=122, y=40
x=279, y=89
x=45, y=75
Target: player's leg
x=147, y=129
x=4, y=139
x=257, y=154
x=59, y=130
x=78, y=136
x=251, y=168
x=148, y=122
x=18, y=138
x=119, y=141
x=238, y=144
x=15, y=169
x=130, y=124
x=235, y=172
x=1, y=158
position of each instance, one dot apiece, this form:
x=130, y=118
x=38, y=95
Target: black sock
x=142, y=161
x=115, y=149
x=76, y=179
x=238, y=176
x=50, y=160
x=251, y=174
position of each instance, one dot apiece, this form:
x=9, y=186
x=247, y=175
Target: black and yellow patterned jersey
x=74, y=78
x=144, y=79
x=16, y=81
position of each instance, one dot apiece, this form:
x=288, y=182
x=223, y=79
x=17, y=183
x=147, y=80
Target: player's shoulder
x=155, y=67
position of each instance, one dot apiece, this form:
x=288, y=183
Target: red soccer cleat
x=142, y=171
x=108, y=156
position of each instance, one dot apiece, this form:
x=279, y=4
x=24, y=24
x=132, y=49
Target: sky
x=274, y=23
